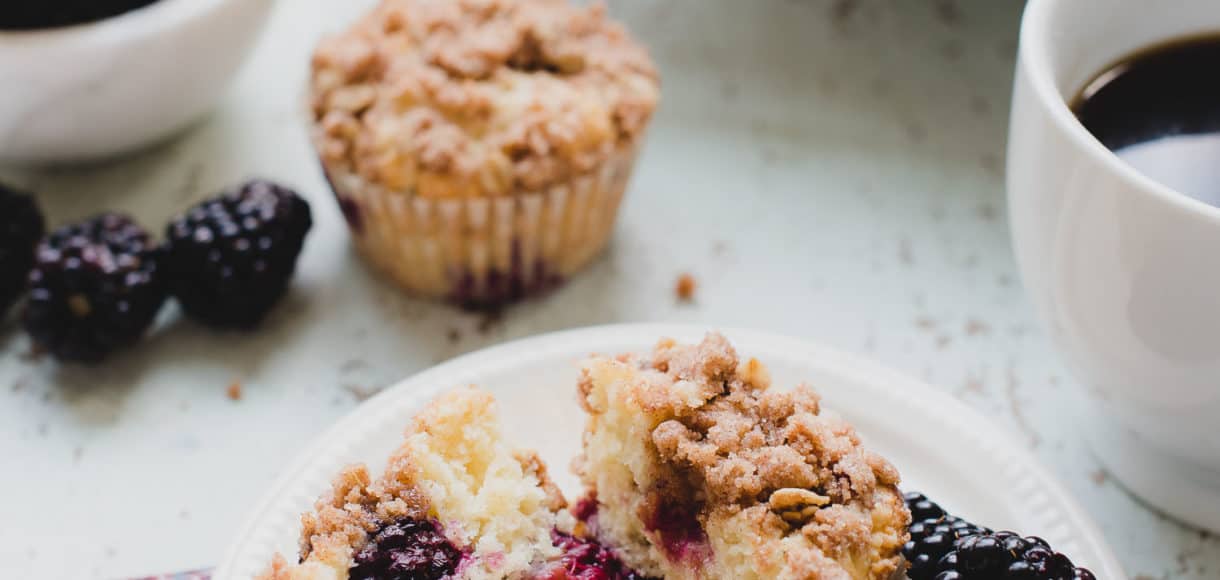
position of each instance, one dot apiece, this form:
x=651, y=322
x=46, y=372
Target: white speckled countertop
x=826, y=169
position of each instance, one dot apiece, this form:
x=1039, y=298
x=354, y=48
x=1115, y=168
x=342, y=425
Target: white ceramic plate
x=940, y=445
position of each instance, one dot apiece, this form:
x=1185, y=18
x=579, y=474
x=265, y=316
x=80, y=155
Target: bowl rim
x=151, y=17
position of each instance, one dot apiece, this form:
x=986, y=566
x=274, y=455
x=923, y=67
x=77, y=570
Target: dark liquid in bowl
x=36, y=14
x=1159, y=111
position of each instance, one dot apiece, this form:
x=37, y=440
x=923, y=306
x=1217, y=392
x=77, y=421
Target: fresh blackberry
x=931, y=540
x=95, y=288
x=921, y=507
x=944, y=547
x=1007, y=556
x=230, y=259
x=21, y=226
x=408, y=549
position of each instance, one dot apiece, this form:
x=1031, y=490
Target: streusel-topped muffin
x=454, y=502
x=698, y=469
x=479, y=148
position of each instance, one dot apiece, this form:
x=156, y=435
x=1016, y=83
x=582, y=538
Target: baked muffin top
x=443, y=98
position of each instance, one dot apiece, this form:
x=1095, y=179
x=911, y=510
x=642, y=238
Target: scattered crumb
x=952, y=50
x=190, y=183
x=35, y=354
x=990, y=163
x=489, y=320
x=979, y=105
x=976, y=327
x=685, y=288
x=842, y=10
x=234, y=391
x=361, y=393
x=943, y=341
x=20, y=384
x=925, y=323
x=915, y=130
x=948, y=12
x=454, y=335
x=352, y=365
x=905, y=255
x=988, y=212
x=1099, y=477
x=1018, y=409
x=720, y=248
x=184, y=515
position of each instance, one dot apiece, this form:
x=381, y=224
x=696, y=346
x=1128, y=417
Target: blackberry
x=921, y=507
x=95, y=288
x=408, y=549
x=944, y=547
x=230, y=259
x=1005, y=555
x=934, y=539
x=21, y=226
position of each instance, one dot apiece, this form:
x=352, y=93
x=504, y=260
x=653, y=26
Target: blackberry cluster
x=21, y=226
x=95, y=288
x=945, y=547
x=230, y=259
x=407, y=550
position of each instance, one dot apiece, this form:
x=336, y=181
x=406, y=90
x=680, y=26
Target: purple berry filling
x=679, y=532
x=585, y=560
x=407, y=550
x=500, y=288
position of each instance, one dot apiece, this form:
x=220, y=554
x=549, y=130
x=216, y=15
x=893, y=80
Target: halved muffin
x=697, y=469
x=454, y=502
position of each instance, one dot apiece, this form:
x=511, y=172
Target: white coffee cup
x=1124, y=271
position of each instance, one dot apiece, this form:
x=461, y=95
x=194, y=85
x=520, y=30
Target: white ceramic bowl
x=99, y=89
x=1121, y=267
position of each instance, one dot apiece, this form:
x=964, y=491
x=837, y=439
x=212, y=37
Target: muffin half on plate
x=454, y=502
x=697, y=469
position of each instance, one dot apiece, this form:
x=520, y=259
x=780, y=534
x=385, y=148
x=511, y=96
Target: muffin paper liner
x=484, y=251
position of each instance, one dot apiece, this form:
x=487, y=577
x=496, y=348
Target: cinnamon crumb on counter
x=234, y=391
x=685, y=288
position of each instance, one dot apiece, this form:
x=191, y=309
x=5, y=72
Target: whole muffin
x=479, y=149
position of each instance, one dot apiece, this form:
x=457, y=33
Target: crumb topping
x=743, y=442
x=742, y=460
x=479, y=97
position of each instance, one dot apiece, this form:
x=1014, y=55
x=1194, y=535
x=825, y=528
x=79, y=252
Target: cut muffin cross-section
x=697, y=469
x=454, y=502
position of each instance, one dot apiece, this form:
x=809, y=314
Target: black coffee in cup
x=1159, y=110
x=34, y=14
